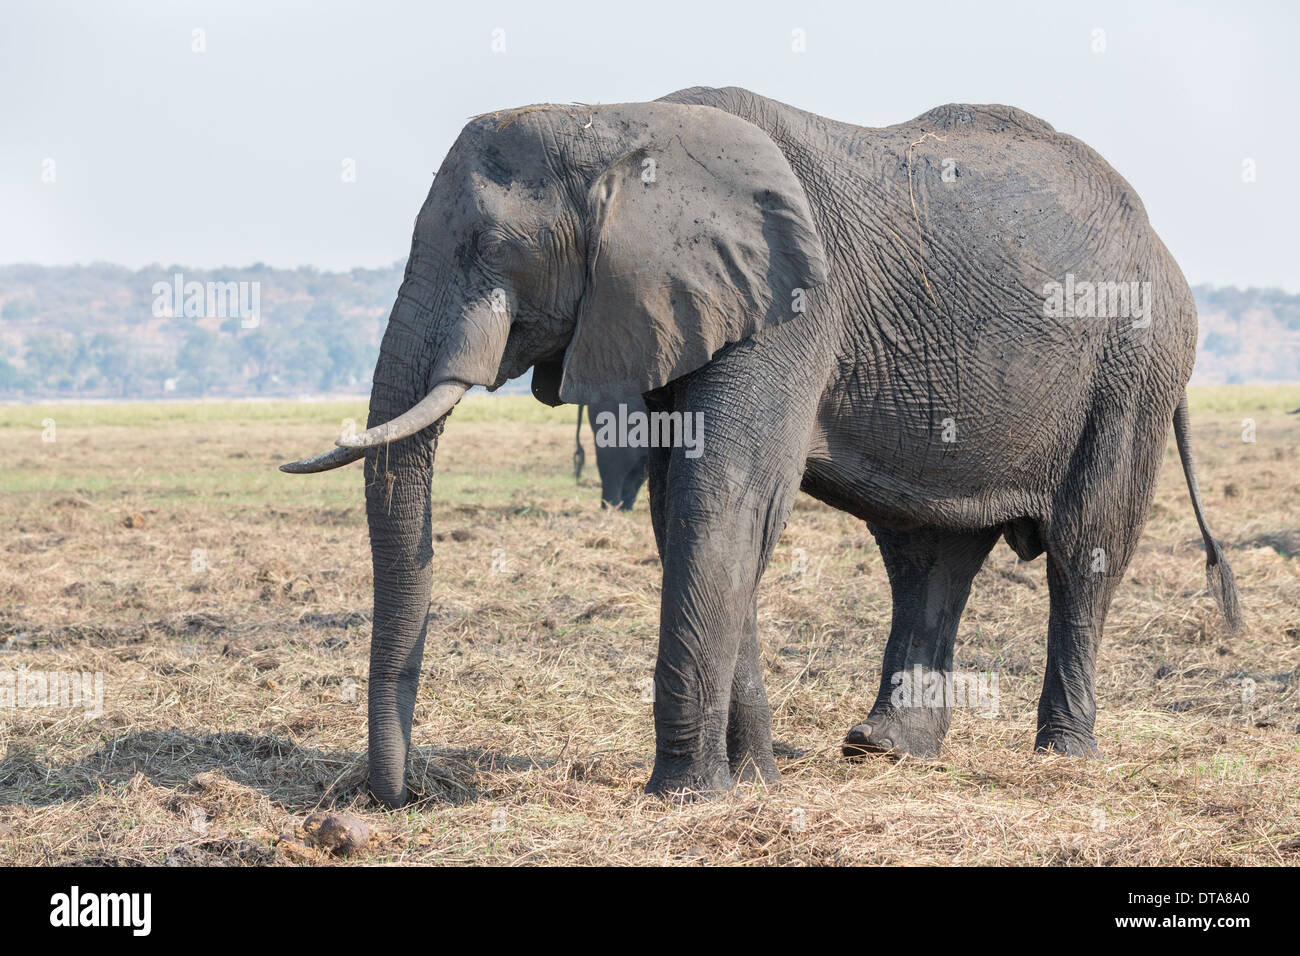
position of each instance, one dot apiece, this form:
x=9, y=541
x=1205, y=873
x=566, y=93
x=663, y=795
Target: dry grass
x=234, y=697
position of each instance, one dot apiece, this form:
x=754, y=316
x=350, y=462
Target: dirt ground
x=227, y=605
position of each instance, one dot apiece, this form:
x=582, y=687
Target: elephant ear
x=696, y=239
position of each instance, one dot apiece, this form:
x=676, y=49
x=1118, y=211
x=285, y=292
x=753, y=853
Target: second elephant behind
x=622, y=468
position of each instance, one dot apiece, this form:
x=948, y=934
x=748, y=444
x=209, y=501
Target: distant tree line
x=98, y=331
x=103, y=330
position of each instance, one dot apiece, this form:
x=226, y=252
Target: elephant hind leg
x=1084, y=569
x=1080, y=597
x=1092, y=534
x=930, y=573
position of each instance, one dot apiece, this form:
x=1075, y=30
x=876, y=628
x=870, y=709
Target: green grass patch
x=1243, y=398
x=477, y=406
x=234, y=489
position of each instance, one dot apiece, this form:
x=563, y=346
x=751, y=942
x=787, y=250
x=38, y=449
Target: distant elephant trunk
x=579, y=456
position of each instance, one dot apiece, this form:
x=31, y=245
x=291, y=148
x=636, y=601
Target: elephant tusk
x=334, y=458
x=428, y=410
x=352, y=448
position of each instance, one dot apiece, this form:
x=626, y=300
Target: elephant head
x=611, y=249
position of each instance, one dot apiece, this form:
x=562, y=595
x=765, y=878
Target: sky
x=127, y=137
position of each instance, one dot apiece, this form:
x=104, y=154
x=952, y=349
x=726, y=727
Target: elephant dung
x=339, y=833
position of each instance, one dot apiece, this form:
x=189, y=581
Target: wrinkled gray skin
x=622, y=469
x=661, y=248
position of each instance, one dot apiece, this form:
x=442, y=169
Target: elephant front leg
x=712, y=720
x=749, y=723
x=719, y=504
x=703, y=609
x=690, y=754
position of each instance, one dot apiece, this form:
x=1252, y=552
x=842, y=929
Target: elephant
x=622, y=467
x=959, y=329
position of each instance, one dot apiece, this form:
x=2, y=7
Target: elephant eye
x=491, y=248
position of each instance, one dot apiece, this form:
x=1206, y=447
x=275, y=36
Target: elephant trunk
x=398, y=510
x=435, y=348
x=422, y=372
x=401, y=548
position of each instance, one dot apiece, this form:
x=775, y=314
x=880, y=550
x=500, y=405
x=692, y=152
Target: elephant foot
x=755, y=768
x=688, y=779
x=917, y=733
x=749, y=744
x=1072, y=743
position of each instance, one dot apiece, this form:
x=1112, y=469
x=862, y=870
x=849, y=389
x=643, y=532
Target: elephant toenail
x=886, y=743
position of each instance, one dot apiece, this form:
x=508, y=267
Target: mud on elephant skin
x=875, y=317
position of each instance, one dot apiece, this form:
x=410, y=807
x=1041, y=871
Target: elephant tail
x=579, y=456
x=1218, y=575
